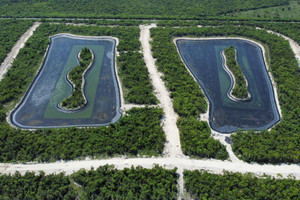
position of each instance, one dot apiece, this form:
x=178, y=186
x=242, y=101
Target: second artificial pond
x=204, y=59
x=39, y=107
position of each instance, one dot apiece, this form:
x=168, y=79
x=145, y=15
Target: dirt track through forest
x=15, y=50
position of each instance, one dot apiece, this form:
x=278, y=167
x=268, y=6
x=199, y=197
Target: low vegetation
x=204, y=185
x=134, y=183
x=239, y=90
x=103, y=183
x=280, y=145
x=129, y=9
x=10, y=33
x=76, y=76
x=290, y=11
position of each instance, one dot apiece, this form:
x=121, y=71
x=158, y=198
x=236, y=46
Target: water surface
x=204, y=59
x=39, y=107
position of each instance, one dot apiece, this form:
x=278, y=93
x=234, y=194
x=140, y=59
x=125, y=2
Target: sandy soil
x=214, y=166
x=172, y=146
x=15, y=50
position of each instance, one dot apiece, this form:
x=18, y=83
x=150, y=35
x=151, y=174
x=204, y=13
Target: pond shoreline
x=12, y=116
x=206, y=116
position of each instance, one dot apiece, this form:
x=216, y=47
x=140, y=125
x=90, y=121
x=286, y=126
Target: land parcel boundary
x=189, y=102
x=137, y=132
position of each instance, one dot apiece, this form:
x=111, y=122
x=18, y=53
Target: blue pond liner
x=38, y=108
x=204, y=59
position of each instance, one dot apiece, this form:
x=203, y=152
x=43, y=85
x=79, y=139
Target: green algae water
x=39, y=107
x=204, y=59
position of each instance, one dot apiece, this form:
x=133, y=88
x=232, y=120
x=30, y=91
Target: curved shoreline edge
x=83, y=91
x=206, y=116
x=233, y=81
x=11, y=114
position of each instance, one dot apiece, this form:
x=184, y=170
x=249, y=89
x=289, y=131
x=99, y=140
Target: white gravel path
x=172, y=146
x=214, y=166
x=15, y=50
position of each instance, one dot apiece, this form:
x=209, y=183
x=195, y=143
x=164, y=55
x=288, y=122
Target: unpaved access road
x=15, y=50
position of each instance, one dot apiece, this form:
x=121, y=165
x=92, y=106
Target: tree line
x=130, y=9
x=280, y=145
x=201, y=184
x=137, y=133
x=105, y=182
x=289, y=29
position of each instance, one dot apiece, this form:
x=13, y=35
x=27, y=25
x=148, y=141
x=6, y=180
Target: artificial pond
x=39, y=107
x=204, y=59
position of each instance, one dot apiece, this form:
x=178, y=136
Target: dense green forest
x=188, y=100
x=103, y=183
x=129, y=9
x=282, y=142
x=239, y=90
x=36, y=186
x=77, y=99
x=134, y=183
x=196, y=141
x=138, y=132
x=10, y=33
x=204, y=185
x=288, y=29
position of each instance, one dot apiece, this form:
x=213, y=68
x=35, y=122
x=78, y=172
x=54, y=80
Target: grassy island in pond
x=76, y=76
x=239, y=90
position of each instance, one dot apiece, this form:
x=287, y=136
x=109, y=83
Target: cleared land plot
x=204, y=59
x=40, y=105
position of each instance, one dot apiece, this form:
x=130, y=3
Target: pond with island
x=39, y=107
x=205, y=61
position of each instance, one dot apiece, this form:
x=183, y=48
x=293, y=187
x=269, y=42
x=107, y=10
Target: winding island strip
x=76, y=77
x=239, y=90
